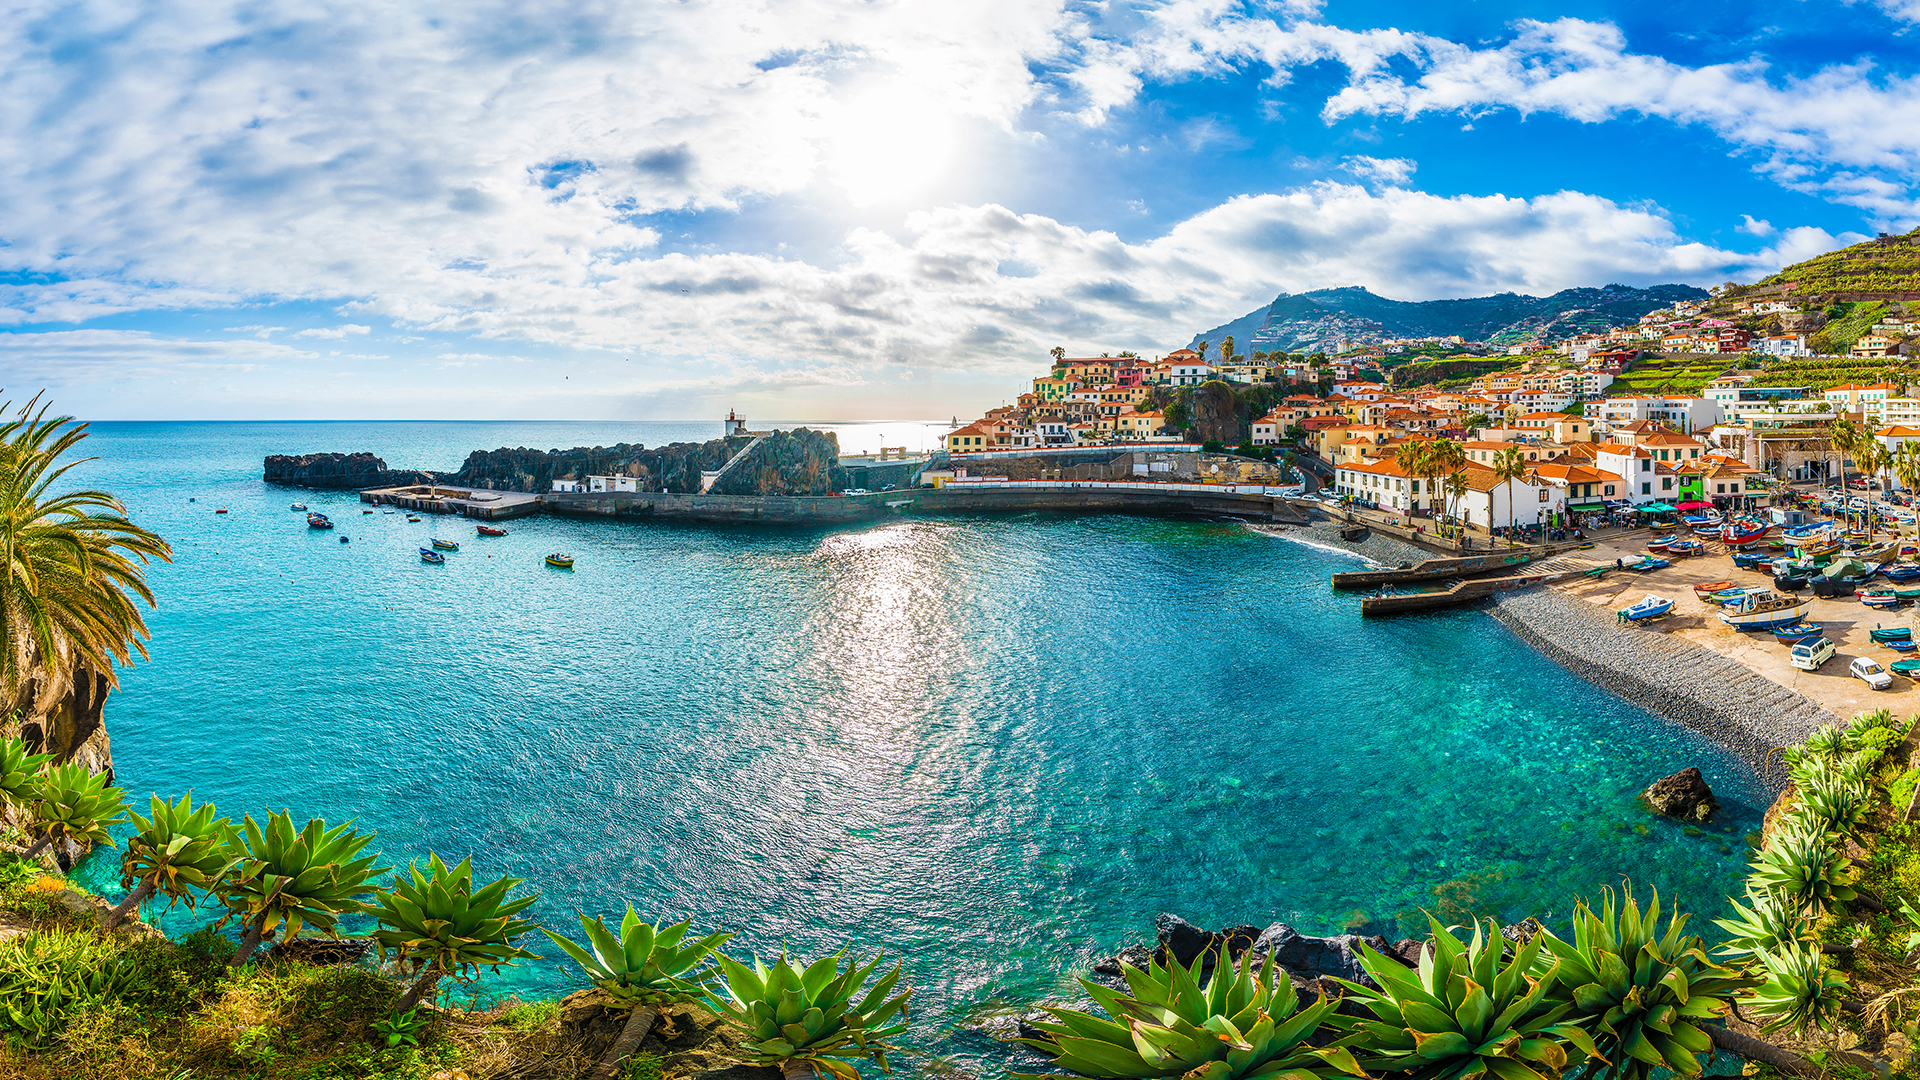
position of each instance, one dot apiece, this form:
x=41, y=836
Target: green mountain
x=1318, y=321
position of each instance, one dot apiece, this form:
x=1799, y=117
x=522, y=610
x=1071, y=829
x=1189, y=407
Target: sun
x=888, y=145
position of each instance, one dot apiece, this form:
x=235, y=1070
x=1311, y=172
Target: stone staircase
x=708, y=479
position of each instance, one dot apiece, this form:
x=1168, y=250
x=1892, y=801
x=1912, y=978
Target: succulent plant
x=440, y=923
x=1242, y=1024
x=643, y=967
x=1641, y=992
x=1766, y=925
x=1805, y=868
x=1836, y=806
x=304, y=878
x=177, y=850
x=19, y=771
x=73, y=803
x=804, y=1019
x=1797, y=991
x=1464, y=1013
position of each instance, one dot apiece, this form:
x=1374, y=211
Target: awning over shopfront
x=1656, y=508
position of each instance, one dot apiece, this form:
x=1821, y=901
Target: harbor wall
x=1171, y=500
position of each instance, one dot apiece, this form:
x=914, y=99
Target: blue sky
x=870, y=210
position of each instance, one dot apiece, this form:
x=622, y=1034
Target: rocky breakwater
x=339, y=472
x=797, y=462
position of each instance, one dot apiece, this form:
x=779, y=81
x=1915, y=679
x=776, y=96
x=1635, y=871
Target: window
x=1721, y=488
x=1666, y=483
x=1646, y=489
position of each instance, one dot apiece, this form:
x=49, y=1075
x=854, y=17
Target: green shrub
x=529, y=1015
x=49, y=976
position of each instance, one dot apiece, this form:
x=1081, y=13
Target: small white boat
x=297, y=506
x=1650, y=608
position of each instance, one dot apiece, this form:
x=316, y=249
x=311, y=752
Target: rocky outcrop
x=797, y=462
x=1684, y=795
x=65, y=717
x=691, y=1042
x=1307, y=958
x=339, y=472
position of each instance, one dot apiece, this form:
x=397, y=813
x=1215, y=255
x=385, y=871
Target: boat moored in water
x=564, y=562
x=317, y=520
x=488, y=530
x=297, y=506
x=428, y=555
x=443, y=545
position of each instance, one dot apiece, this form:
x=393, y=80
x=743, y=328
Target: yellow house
x=967, y=438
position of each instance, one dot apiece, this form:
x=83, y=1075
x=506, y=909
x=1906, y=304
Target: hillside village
x=1711, y=400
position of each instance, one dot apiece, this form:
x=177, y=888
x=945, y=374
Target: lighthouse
x=735, y=425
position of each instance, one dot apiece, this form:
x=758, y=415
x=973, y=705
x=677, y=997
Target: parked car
x=1809, y=655
x=1871, y=673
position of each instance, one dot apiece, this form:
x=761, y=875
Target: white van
x=1809, y=655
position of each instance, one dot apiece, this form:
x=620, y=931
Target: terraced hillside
x=1683, y=374
x=1887, y=268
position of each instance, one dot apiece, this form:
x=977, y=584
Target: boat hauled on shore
x=1764, y=610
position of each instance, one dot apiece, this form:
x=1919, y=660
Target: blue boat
x=428, y=555
x=1901, y=572
x=1650, y=563
x=1752, y=560
x=1651, y=608
x=1798, y=632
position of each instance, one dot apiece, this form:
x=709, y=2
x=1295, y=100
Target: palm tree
x=1508, y=465
x=1202, y=349
x=1906, y=466
x=1448, y=458
x=1874, y=458
x=71, y=565
x=1414, y=458
x=1845, y=437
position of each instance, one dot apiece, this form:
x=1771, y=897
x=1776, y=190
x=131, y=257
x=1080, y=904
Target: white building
x=1682, y=413
x=1781, y=345
x=596, y=484
x=1191, y=374
x=1491, y=503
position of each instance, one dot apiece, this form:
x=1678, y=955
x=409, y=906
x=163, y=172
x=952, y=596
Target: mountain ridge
x=1318, y=320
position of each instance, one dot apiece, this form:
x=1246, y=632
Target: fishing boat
x=1764, y=610
x=318, y=521
x=1890, y=633
x=1728, y=596
x=366, y=511
x=1743, y=532
x=488, y=530
x=1907, y=592
x=1902, y=645
x=428, y=555
x=1882, y=597
x=1661, y=543
x=1661, y=526
x=1648, y=562
x=1751, y=560
x=1901, y=572
x=410, y=517
x=220, y=511
x=297, y=506
x=386, y=511
x=1909, y=668
x=564, y=562
x=1798, y=632
x=1684, y=548
x=1706, y=587
x=444, y=545
x=1651, y=608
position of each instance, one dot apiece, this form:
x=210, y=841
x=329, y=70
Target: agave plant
x=1797, y=990
x=177, y=850
x=73, y=803
x=19, y=771
x=1805, y=868
x=804, y=1019
x=440, y=923
x=304, y=878
x=643, y=967
x=1765, y=926
x=1641, y=992
x=1836, y=807
x=1242, y=1024
x=1828, y=744
x=1463, y=1013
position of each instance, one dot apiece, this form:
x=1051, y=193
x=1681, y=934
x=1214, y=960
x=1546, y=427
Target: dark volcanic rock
x=338, y=471
x=1684, y=795
x=322, y=951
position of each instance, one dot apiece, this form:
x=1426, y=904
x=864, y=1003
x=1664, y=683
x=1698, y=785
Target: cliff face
x=675, y=467
x=797, y=462
x=339, y=471
x=67, y=718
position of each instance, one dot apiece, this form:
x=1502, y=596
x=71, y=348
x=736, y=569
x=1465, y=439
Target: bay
x=993, y=747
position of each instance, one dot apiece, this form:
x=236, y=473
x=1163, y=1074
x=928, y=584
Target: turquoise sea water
x=996, y=747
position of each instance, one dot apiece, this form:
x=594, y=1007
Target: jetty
x=1464, y=592
x=1442, y=569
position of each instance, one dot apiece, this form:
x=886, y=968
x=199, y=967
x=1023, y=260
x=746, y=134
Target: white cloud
x=333, y=331
x=257, y=330
x=1753, y=226
x=1383, y=170
x=1842, y=130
